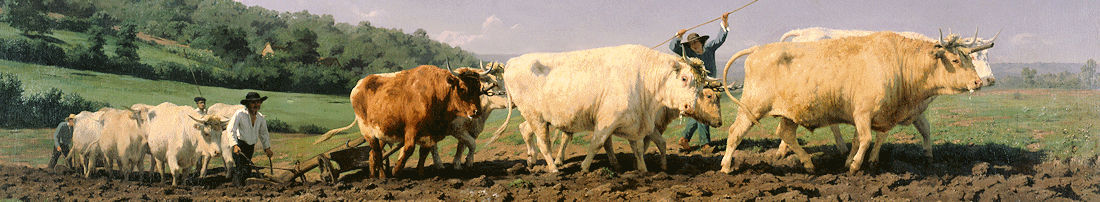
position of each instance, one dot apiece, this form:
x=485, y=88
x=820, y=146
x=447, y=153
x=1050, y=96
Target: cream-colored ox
x=979, y=58
x=617, y=91
x=873, y=82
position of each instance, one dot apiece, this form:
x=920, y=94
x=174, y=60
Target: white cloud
x=1030, y=39
x=491, y=20
x=514, y=26
x=457, y=38
x=364, y=15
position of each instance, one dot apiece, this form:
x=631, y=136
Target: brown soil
x=958, y=172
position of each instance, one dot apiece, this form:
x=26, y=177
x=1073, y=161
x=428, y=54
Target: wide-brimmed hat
x=693, y=37
x=71, y=117
x=253, y=97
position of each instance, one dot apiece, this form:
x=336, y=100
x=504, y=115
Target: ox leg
x=839, y=137
x=406, y=150
x=639, y=153
x=528, y=134
x=423, y=152
x=543, y=141
x=90, y=168
x=375, y=158
x=922, y=126
x=202, y=170
x=880, y=138
x=782, y=150
x=465, y=141
x=610, y=151
x=564, y=138
x=863, y=135
x=738, y=129
x=656, y=138
x=599, y=135
x=787, y=130
x=436, y=161
x=174, y=167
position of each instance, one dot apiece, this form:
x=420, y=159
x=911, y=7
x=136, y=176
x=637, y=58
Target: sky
x=1031, y=31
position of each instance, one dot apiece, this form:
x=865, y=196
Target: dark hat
x=197, y=99
x=693, y=36
x=253, y=97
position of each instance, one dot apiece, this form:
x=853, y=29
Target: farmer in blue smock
x=698, y=47
x=62, y=140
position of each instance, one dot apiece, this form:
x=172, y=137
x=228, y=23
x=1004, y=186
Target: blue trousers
x=693, y=126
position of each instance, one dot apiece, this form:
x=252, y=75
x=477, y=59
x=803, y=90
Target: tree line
x=225, y=38
x=1087, y=78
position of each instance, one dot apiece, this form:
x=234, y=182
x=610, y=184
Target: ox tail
x=726, y=71
x=502, y=126
x=332, y=132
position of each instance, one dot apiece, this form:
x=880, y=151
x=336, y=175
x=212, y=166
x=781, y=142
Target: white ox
x=123, y=140
x=87, y=127
x=223, y=143
x=617, y=91
x=981, y=65
x=177, y=138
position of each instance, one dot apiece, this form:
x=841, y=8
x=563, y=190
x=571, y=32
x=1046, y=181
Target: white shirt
x=242, y=128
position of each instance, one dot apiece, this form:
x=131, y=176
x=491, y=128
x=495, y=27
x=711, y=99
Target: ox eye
x=683, y=78
x=955, y=60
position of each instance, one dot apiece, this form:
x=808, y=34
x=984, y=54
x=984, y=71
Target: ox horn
x=974, y=41
x=479, y=64
x=196, y=120
x=987, y=45
x=941, y=37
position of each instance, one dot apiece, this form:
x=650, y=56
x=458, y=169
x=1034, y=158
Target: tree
x=420, y=33
x=27, y=15
x=231, y=44
x=304, y=46
x=1029, y=76
x=1088, y=74
x=126, y=46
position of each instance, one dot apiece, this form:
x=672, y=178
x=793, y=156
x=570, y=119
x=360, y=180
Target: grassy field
x=1058, y=122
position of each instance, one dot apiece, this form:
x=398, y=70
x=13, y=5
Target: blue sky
x=1033, y=31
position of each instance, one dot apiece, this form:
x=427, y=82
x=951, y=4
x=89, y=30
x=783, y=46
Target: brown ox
x=414, y=107
x=873, y=82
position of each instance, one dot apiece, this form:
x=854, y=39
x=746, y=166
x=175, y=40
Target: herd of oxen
x=812, y=78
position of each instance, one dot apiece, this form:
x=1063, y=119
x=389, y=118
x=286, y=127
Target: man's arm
x=265, y=137
x=721, y=38
x=57, y=135
x=675, y=44
x=234, y=129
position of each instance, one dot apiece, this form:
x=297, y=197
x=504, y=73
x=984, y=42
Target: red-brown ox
x=873, y=82
x=414, y=107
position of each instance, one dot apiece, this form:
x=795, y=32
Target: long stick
x=272, y=168
x=712, y=20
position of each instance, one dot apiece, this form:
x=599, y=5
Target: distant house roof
x=269, y=49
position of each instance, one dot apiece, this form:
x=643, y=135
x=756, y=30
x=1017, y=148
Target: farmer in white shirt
x=248, y=127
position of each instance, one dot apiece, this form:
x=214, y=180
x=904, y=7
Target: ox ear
x=939, y=53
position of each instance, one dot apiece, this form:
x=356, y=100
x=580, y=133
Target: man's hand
x=725, y=20
x=268, y=152
x=681, y=33
x=236, y=149
x=58, y=148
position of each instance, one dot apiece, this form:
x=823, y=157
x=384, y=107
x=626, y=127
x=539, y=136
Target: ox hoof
x=458, y=167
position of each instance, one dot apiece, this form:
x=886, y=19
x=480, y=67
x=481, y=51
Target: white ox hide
x=178, y=138
x=87, y=127
x=123, y=140
x=981, y=65
x=611, y=91
x=223, y=143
